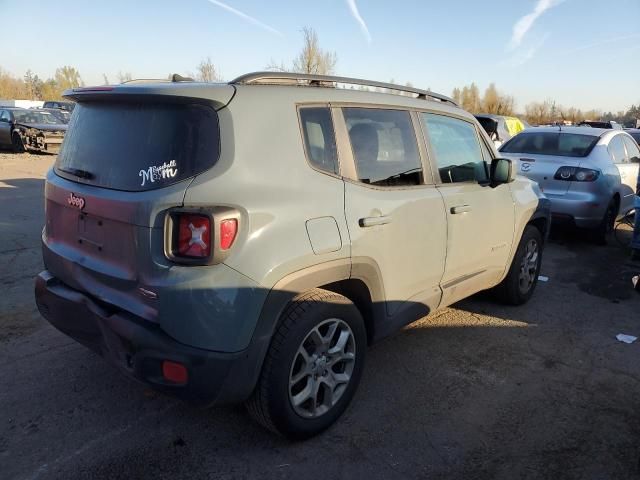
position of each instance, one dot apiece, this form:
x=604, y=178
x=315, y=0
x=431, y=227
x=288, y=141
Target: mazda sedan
x=589, y=174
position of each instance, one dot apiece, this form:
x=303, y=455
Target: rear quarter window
x=138, y=146
x=551, y=143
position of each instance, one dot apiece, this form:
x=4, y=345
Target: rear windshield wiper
x=77, y=172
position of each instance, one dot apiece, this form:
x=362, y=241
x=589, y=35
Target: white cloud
x=600, y=43
x=246, y=17
x=358, y=18
x=524, y=24
x=524, y=55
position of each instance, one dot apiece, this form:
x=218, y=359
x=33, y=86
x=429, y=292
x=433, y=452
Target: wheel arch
x=364, y=290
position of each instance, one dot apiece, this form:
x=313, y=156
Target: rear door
x=633, y=158
x=628, y=171
x=480, y=219
x=395, y=215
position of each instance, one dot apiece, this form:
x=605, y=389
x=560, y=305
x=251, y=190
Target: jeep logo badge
x=74, y=201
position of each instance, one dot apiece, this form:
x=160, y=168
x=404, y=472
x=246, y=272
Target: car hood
x=46, y=127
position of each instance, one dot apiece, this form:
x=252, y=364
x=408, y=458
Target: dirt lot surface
x=477, y=391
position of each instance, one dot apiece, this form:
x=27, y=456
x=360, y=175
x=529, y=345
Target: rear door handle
x=460, y=209
x=373, y=221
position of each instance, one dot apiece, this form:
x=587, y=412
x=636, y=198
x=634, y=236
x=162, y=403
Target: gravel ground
x=476, y=391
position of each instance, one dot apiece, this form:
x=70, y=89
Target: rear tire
x=16, y=143
x=607, y=224
x=519, y=284
x=313, y=366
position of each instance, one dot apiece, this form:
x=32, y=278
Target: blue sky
x=581, y=53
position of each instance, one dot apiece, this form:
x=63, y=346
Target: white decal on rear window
x=155, y=172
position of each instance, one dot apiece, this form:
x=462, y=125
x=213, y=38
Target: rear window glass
x=138, y=146
x=551, y=143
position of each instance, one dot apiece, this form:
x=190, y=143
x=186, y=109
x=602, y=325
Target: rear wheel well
x=616, y=198
x=358, y=292
x=542, y=224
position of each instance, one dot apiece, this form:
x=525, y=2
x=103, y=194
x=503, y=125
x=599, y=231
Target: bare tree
x=456, y=95
x=207, y=71
x=68, y=77
x=124, y=77
x=313, y=59
x=497, y=103
x=33, y=85
x=105, y=79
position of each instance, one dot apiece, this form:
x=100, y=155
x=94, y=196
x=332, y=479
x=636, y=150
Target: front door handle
x=373, y=221
x=460, y=209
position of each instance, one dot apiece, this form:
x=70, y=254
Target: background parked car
x=500, y=128
x=635, y=133
x=68, y=106
x=589, y=174
x=600, y=124
x=38, y=130
x=63, y=115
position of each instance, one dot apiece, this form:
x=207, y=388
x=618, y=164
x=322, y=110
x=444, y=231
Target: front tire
x=520, y=283
x=16, y=143
x=313, y=366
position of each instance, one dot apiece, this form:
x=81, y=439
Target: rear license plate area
x=91, y=232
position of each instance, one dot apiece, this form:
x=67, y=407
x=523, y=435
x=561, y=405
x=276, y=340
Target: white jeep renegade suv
x=244, y=242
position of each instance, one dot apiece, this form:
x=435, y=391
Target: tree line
x=315, y=60
x=536, y=113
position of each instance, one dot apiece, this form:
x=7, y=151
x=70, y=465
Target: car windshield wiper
x=77, y=172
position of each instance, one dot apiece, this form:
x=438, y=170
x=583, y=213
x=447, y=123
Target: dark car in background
x=600, y=124
x=68, y=106
x=29, y=129
x=63, y=115
x=501, y=128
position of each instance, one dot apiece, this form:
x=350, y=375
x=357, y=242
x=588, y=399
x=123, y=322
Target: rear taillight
x=228, y=231
x=576, y=174
x=194, y=236
x=203, y=236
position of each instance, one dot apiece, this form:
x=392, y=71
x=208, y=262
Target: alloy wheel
x=529, y=266
x=322, y=368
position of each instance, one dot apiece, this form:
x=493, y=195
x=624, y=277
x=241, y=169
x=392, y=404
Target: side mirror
x=501, y=171
x=634, y=159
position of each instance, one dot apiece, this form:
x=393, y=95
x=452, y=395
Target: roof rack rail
x=144, y=80
x=279, y=78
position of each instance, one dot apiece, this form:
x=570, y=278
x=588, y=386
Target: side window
x=616, y=150
x=384, y=146
x=633, y=152
x=4, y=115
x=456, y=148
x=319, y=138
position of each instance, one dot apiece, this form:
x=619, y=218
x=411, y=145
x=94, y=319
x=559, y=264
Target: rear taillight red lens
x=194, y=236
x=228, y=231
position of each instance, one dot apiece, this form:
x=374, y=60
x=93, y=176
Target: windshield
x=551, y=143
x=138, y=146
x=33, y=116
